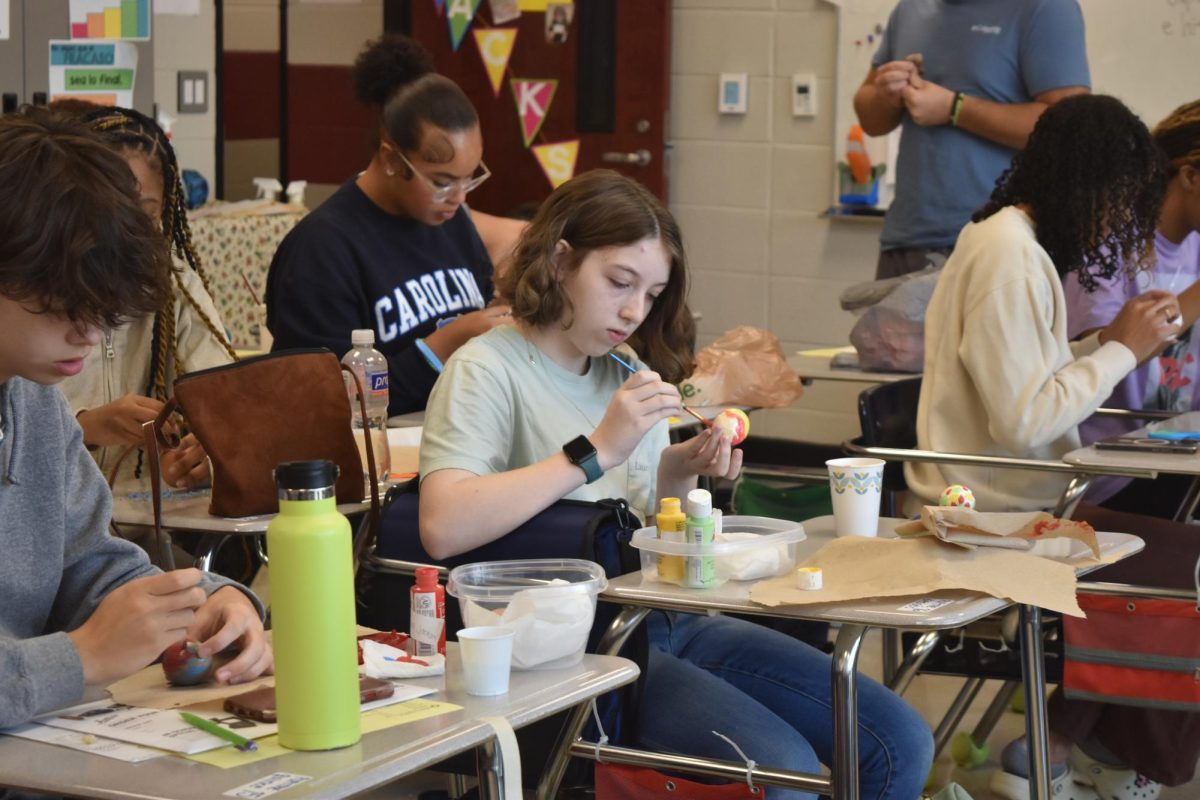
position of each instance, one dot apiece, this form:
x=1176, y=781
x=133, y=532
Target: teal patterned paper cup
x=856, y=486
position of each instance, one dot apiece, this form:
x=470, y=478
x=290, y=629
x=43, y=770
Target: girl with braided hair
x=132, y=373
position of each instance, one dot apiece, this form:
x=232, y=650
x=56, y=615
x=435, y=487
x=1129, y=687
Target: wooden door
x=613, y=92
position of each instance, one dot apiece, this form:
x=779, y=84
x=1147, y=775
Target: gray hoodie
x=57, y=559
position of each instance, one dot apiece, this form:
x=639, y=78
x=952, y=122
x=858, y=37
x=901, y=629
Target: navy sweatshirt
x=349, y=264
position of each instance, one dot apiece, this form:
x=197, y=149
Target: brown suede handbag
x=254, y=414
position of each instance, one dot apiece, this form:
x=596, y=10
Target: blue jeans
x=771, y=694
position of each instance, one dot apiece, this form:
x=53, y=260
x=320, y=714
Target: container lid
x=362, y=337
x=426, y=578
x=498, y=581
x=320, y=474
x=699, y=503
x=770, y=532
x=669, y=505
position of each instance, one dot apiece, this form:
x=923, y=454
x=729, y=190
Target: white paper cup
x=486, y=654
x=856, y=486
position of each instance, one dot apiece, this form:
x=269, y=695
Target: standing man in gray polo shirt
x=966, y=80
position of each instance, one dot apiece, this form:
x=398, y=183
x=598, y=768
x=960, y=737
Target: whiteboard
x=1146, y=52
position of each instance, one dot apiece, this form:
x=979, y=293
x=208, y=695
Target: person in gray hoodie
x=79, y=608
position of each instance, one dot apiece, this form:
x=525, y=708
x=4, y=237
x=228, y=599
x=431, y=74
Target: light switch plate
x=193, y=92
x=804, y=94
x=732, y=93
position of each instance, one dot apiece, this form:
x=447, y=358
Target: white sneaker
x=1015, y=787
x=1112, y=783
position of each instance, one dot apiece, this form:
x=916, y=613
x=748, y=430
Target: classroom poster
x=495, y=48
x=99, y=72
x=110, y=19
x=178, y=8
x=5, y=19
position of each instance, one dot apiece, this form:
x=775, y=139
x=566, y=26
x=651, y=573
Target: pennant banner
x=504, y=11
x=459, y=14
x=558, y=160
x=533, y=98
x=495, y=47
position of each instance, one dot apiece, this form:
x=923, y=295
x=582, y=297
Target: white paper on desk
x=109, y=748
x=857, y=568
x=152, y=727
x=384, y=661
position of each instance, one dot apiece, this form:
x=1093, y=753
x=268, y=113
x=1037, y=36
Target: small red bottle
x=427, y=617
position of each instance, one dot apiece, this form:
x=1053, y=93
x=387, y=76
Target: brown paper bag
x=746, y=366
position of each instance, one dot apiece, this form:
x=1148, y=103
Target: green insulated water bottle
x=312, y=611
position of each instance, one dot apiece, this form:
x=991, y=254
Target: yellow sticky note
x=825, y=352
x=374, y=720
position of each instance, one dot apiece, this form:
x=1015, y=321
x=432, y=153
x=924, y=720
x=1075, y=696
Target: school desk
x=814, y=365
x=380, y=758
x=1175, y=463
x=188, y=511
x=855, y=618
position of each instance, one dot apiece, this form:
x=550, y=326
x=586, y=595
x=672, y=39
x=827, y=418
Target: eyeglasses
x=443, y=189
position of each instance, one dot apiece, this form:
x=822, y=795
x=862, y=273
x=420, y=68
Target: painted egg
x=183, y=667
x=736, y=422
x=957, y=495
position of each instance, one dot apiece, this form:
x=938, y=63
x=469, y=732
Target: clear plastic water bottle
x=372, y=370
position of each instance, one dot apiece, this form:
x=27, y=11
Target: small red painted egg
x=183, y=667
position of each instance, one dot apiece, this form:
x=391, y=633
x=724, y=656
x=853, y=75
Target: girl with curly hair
x=531, y=413
x=131, y=375
x=1127, y=751
x=395, y=249
x=1001, y=376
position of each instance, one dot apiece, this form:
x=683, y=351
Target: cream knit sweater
x=1000, y=376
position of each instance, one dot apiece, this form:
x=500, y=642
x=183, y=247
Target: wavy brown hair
x=73, y=236
x=592, y=211
x=1094, y=181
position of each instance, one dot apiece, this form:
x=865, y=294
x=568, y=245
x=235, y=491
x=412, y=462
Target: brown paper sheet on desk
x=944, y=521
x=856, y=568
x=148, y=688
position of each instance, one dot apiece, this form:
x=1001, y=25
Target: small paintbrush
x=707, y=423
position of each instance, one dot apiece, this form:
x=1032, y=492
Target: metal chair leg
x=913, y=661
x=954, y=714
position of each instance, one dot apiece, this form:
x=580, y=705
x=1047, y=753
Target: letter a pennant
x=533, y=99
x=495, y=47
x=558, y=160
x=459, y=16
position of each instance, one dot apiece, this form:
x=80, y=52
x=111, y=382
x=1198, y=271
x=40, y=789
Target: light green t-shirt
x=500, y=404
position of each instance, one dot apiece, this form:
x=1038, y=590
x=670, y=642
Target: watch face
x=579, y=449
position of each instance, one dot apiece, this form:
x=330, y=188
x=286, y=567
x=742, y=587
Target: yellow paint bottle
x=671, y=522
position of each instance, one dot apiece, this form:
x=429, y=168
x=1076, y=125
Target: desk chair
x=888, y=415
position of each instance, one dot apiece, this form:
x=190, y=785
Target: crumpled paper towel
x=385, y=661
x=551, y=622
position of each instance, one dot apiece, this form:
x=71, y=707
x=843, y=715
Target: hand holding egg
x=735, y=422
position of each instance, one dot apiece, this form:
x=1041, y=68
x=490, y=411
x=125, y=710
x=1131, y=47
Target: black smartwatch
x=582, y=454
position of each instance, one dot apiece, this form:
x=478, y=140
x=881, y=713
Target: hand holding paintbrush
x=706, y=422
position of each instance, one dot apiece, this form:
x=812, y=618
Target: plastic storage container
x=746, y=549
x=549, y=604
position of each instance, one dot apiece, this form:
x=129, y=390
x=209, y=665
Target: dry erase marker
x=240, y=742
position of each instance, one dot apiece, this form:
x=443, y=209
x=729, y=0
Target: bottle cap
x=362, y=337
x=427, y=578
x=669, y=505
x=699, y=503
x=306, y=475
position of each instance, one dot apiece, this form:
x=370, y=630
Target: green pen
x=240, y=742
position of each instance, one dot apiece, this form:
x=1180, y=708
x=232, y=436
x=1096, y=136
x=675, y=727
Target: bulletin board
x=1143, y=51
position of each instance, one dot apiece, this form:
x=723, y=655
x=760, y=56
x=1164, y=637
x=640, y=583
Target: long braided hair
x=128, y=130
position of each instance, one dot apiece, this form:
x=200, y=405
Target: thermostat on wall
x=731, y=98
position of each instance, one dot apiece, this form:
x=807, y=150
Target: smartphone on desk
x=1144, y=444
x=259, y=704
